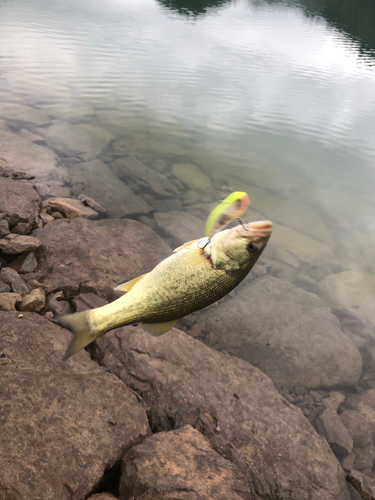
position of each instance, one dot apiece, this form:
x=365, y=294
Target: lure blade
x=233, y=206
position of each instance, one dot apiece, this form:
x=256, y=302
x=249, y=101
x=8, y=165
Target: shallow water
x=275, y=98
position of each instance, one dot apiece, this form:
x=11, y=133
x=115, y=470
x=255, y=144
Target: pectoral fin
x=193, y=257
x=158, y=328
x=126, y=287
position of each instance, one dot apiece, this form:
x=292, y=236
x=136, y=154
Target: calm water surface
x=272, y=95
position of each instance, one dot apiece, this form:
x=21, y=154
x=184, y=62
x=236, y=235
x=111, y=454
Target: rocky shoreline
x=267, y=396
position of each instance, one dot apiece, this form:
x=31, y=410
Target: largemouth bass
x=197, y=274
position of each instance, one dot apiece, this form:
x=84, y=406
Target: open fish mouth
x=260, y=228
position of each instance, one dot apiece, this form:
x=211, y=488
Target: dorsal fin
x=188, y=243
x=126, y=287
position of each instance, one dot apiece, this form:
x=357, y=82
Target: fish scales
x=198, y=274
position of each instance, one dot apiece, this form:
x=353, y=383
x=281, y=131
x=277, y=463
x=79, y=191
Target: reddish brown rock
x=179, y=463
x=17, y=243
x=18, y=200
x=230, y=402
x=288, y=333
x=63, y=423
x=105, y=253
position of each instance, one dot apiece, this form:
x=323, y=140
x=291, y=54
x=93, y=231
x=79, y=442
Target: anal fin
x=158, y=328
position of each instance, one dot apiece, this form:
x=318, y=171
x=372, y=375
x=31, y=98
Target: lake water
x=275, y=98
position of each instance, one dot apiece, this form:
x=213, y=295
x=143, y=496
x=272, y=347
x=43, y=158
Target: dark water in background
x=280, y=95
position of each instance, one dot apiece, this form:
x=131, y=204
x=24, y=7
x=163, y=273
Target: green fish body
x=196, y=275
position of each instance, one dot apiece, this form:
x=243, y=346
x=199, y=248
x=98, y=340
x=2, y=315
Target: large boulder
x=176, y=462
x=19, y=201
x=287, y=332
x=233, y=404
x=63, y=424
x=97, y=180
x=104, y=253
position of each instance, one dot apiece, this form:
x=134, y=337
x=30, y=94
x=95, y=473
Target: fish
x=197, y=274
x=229, y=209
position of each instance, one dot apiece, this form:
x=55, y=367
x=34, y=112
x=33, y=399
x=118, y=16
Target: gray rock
x=358, y=427
x=23, y=228
x=105, y=252
x=34, y=301
x=332, y=429
x=191, y=197
x=4, y=288
x=347, y=462
x=364, y=457
x=60, y=192
x=334, y=400
x=19, y=201
x=8, y=301
x=71, y=208
x=365, y=404
x=4, y=228
x=192, y=177
x=51, y=409
x=29, y=264
x=14, y=244
x=57, y=305
x=42, y=189
x=180, y=227
x=169, y=463
x=131, y=168
x=85, y=301
x=12, y=278
x=18, y=153
x=166, y=205
x=89, y=202
x=26, y=134
x=117, y=199
x=233, y=404
x=362, y=484
x=285, y=331
x=83, y=140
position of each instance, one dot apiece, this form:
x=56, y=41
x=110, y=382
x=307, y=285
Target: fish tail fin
x=82, y=327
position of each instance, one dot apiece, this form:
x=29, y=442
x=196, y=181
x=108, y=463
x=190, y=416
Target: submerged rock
x=71, y=208
x=180, y=227
x=131, y=168
x=117, y=199
x=332, y=429
x=192, y=177
x=288, y=333
x=63, y=423
x=106, y=252
x=20, y=154
x=23, y=116
x=233, y=404
x=172, y=463
x=83, y=140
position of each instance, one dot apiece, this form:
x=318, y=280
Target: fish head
x=241, y=246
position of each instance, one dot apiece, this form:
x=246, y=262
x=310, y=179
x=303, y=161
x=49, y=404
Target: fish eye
x=251, y=247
